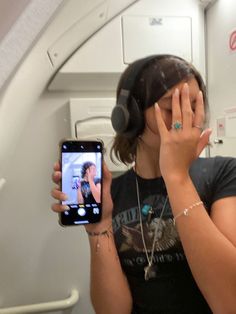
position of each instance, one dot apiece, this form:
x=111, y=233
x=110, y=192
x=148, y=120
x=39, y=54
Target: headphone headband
x=135, y=71
x=128, y=121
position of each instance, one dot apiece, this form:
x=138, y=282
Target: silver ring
x=198, y=127
x=177, y=125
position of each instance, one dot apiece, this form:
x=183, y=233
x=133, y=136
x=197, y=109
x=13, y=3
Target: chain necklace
x=149, y=269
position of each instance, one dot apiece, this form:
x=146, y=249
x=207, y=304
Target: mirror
x=39, y=258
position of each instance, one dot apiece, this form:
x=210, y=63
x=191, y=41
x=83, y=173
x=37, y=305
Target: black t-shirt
x=173, y=290
x=86, y=191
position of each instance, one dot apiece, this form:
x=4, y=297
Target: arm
x=209, y=244
x=79, y=195
x=95, y=188
x=110, y=293
x=109, y=287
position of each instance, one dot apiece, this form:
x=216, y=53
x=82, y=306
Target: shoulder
x=212, y=165
x=127, y=175
x=225, y=162
x=214, y=177
x=97, y=181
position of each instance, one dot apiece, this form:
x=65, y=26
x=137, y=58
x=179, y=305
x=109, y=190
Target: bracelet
x=186, y=210
x=95, y=234
x=106, y=233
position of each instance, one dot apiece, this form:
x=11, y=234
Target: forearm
x=110, y=292
x=211, y=256
x=80, y=196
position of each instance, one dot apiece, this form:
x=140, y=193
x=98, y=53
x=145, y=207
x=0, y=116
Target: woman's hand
x=107, y=204
x=106, y=198
x=56, y=193
x=90, y=174
x=181, y=146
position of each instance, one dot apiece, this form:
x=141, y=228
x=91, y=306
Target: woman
x=89, y=190
x=173, y=214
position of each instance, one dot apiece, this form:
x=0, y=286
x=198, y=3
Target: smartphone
x=81, y=166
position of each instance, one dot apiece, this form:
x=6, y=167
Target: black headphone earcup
x=127, y=116
x=120, y=118
x=130, y=122
x=136, y=120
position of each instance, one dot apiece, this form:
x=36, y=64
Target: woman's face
x=165, y=103
x=91, y=171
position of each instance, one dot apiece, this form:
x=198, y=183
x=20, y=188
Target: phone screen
x=81, y=163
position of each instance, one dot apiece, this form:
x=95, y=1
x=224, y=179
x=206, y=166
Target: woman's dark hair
x=85, y=166
x=159, y=74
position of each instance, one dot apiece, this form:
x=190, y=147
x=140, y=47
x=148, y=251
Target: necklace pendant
x=146, y=209
x=149, y=272
x=150, y=215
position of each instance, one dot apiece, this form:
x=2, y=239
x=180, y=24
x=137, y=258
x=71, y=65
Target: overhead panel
x=156, y=35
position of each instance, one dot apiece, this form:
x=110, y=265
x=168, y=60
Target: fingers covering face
x=176, y=109
x=199, y=111
x=182, y=109
x=187, y=112
x=160, y=122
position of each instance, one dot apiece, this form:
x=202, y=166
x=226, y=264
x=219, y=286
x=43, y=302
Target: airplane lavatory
x=60, y=64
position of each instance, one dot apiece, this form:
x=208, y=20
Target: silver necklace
x=149, y=269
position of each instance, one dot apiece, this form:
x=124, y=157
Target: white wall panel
x=156, y=35
x=221, y=64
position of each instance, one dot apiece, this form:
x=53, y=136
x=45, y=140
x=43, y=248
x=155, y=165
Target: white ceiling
x=21, y=21
x=10, y=10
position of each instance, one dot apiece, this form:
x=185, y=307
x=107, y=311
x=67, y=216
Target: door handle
x=218, y=141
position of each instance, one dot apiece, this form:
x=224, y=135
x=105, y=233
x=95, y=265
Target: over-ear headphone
x=127, y=117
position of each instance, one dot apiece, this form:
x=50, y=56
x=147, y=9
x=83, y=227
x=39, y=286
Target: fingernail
x=55, y=165
x=176, y=93
x=66, y=207
x=186, y=88
x=65, y=197
x=156, y=106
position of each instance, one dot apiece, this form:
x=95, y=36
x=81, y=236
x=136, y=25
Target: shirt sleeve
x=224, y=178
x=97, y=181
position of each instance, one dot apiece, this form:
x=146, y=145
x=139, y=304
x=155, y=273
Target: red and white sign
x=232, y=41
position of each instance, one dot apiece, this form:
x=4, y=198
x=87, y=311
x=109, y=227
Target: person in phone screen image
x=166, y=243
x=89, y=189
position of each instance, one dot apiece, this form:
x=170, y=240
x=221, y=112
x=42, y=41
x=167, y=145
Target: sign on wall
x=232, y=41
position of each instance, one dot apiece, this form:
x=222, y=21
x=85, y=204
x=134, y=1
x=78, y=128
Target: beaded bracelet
x=186, y=210
x=106, y=233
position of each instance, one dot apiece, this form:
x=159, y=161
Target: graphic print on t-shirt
x=128, y=235
x=85, y=189
x=166, y=235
